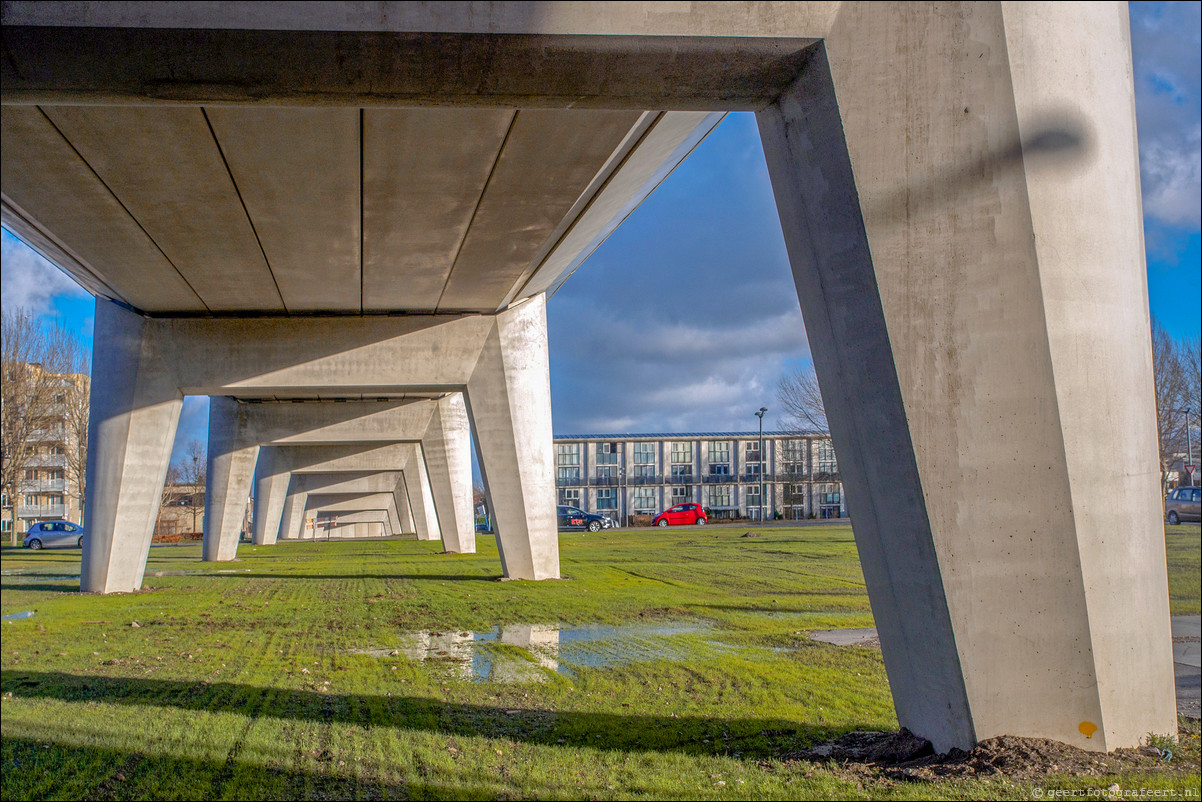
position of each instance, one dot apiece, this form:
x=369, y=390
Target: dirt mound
x=904, y=756
x=750, y=534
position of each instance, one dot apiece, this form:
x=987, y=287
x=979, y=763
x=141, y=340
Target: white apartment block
x=623, y=475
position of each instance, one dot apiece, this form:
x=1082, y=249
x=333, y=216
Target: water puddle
x=17, y=616
x=43, y=577
x=199, y=573
x=526, y=653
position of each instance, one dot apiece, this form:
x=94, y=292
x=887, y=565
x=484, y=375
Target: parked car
x=574, y=518
x=49, y=534
x=1183, y=504
x=686, y=514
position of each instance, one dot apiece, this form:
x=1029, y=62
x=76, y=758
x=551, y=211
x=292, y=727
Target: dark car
x=574, y=518
x=49, y=534
x=685, y=514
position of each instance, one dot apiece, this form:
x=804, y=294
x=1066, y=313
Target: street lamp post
x=1189, y=448
x=760, y=415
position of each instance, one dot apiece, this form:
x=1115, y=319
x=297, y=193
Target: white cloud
x=1168, y=96
x=29, y=280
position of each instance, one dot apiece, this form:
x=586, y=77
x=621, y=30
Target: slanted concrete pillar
x=421, y=503
x=447, y=449
x=509, y=400
x=233, y=452
x=404, y=512
x=964, y=229
x=135, y=406
x=271, y=489
x=292, y=522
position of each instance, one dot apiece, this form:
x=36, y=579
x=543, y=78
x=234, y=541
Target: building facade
x=46, y=489
x=625, y=475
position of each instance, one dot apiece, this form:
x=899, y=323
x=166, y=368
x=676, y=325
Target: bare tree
x=76, y=404
x=1171, y=377
x=32, y=361
x=1192, y=365
x=192, y=471
x=801, y=401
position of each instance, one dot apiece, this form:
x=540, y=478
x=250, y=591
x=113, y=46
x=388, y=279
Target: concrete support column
x=233, y=452
x=135, y=407
x=271, y=490
x=509, y=400
x=447, y=450
x=404, y=512
x=964, y=230
x=425, y=516
x=292, y=523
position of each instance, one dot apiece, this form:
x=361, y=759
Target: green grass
x=245, y=684
x=1185, y=569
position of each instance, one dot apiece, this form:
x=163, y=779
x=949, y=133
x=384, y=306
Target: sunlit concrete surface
x=959, y=195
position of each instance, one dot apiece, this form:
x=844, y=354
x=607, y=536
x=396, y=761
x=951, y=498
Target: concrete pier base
x=229, y=479
x=961, y=221
x=135, y=408
x=509, y=400
x=448, y=463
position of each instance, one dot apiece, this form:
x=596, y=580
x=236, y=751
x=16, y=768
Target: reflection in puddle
x=17, y=616
x=525, y=653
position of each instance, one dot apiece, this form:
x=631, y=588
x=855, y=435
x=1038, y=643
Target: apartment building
x=46, y=489
x=623, y=475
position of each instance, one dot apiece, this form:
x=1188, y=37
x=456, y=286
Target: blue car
x=51, y=534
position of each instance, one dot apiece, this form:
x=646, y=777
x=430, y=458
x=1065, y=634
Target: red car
x=688, y=513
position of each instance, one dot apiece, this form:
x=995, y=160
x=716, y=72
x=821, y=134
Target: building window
x=644, y=453
x=568, y=475
x=826, y=458
x=30, y=475
x=681, y=493
x=682, y=453
x=721, y=496
x=6, y=526
x=569, y=454
x=31, y=500
x=607, y=453
x=753, y=496
x=4, y=502
x=57, y=451
x=753, y=451
x=607, y=499
x=644, y=500
x=682, y=471
x=569, y=496
x=606, y=473
x=54, y=498
x=644, y=471
x=753, y=468
x=794, y=451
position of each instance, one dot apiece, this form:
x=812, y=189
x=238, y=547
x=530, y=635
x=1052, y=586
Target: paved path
x=1187, y=656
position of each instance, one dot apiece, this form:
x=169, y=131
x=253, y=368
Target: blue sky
x=687, y=317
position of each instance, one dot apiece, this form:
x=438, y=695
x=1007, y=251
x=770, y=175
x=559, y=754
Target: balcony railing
x=644, y=480
x=717, y=478
x=681, y=479
x=46, y=461
x=42, y=486
x=574, y=481
x=826, y=476
x=754, y=478
x=42, y=511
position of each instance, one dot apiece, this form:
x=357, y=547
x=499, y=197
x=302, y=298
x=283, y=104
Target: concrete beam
x=960, y=224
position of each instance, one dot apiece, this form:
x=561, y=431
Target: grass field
x=669, y=664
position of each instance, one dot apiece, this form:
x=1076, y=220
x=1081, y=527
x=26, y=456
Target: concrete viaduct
x=371, y=201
